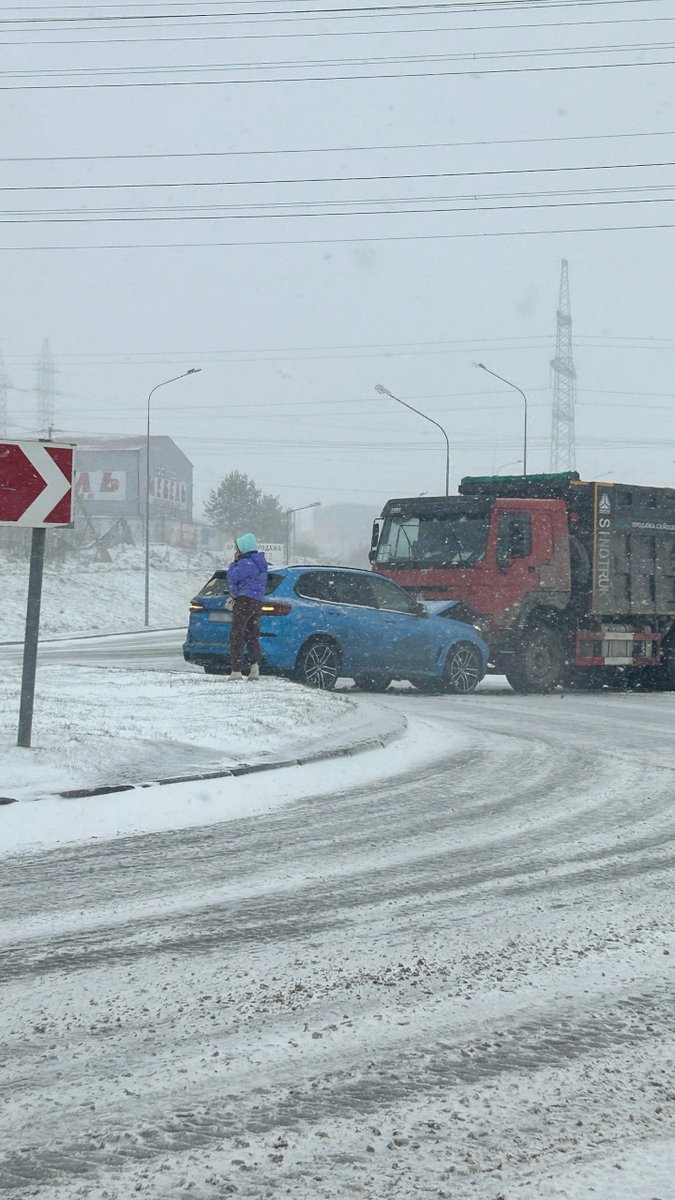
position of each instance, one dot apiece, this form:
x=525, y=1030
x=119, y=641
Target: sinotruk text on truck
x=571, y=581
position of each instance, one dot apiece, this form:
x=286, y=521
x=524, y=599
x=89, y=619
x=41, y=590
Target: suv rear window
x=218, y=585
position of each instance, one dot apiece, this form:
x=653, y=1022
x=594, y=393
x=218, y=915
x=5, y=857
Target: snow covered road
x=454, y=983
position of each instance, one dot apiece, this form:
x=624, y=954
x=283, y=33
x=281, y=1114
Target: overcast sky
x=296, y=298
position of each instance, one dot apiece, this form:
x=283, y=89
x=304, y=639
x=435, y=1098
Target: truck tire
x=540, y=661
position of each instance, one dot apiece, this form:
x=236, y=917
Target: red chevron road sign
x=36, y=484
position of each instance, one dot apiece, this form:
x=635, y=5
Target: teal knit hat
x=246, y=543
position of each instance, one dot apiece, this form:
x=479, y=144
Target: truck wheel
x=540, y=661
x=463, y=669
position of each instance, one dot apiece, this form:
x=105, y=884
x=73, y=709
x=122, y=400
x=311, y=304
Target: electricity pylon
x=563, y=449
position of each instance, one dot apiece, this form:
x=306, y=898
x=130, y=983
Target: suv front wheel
x=463, y=669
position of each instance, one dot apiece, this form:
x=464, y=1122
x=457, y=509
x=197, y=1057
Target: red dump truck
x=570, y=581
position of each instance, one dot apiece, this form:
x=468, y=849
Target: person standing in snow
x=247, y=579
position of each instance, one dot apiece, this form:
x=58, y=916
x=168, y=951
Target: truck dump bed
x=623, y=537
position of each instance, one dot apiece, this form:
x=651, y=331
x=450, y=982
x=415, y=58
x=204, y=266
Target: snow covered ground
x=452, y=982
x=97, y=726
x=440, y=971
x=100, y=597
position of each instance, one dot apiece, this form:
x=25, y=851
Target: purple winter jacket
x=247, y=576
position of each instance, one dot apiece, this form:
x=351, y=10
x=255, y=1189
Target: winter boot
x=254, y=673
x=235, y=676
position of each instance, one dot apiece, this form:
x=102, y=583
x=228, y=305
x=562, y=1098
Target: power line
x=190, y=215
x=376, y=350
x=266, y=206
x=388, y=349
x=318, y=14
x=333, y=63
x=457, y=5
x=413, y=237
x=348, y=33
x=43, y=87
x=355, y=178
x=338, y=149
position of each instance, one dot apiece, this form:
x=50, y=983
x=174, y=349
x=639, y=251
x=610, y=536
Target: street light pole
x=290, y=513
x=385, y=392
x=192, y=371
x=517, y=389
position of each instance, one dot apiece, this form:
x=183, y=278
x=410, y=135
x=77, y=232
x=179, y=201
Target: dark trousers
x=245, y=631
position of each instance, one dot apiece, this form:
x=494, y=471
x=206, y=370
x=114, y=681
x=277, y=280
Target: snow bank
x=94, y=726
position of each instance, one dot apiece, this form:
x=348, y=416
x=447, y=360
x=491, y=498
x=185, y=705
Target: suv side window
x=337, y=587
x=391, y=597
x=355, y=589
x=318, y=585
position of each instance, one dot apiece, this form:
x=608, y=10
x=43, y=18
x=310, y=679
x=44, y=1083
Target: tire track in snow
x=257, y=982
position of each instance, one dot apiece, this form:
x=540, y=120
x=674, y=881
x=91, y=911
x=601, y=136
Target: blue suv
x=318, y=624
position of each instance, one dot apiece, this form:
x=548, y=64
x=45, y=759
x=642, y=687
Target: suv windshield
x=433, y=540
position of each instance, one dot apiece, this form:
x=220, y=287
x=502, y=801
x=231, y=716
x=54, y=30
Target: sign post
x=36, y=491
x=30, y=645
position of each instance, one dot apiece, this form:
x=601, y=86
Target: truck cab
x=497, y=556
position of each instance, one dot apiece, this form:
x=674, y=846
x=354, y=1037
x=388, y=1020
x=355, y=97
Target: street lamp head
x=379, y=387
x=304, y=507
x=193, y=371
x=481, y=365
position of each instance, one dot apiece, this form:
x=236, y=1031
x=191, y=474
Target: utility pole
x=45, y=391
x=563, y=448
x=4, y=385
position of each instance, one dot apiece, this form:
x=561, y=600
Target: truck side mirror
x=375, y=539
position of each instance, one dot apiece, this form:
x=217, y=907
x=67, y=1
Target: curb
x=371, y=743
x=88, y=637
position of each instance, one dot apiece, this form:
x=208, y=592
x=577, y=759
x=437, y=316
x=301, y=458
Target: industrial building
x=111, y=482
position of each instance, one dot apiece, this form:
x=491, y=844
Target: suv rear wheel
x=318, y=664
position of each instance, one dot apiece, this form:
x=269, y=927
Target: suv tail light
x=195, y=606
x=275, y=609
